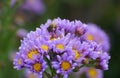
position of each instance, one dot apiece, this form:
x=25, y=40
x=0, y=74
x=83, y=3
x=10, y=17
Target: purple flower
x=22, y=33
x=29, y=50
x=12, y=2
x=96, y=53
x=80, y=28
x=18, y=61
x=103, y=61
x=45, y=46
x=95, y=50
x=94, y=73
x=35, y=6
x=89, y=72
x=79, y=50
x=28, y=74
x=96, y=34
x=38, y=66
x=60, y=45
x=64, y=64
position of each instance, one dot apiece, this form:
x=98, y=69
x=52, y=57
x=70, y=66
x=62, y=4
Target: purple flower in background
x=89, y=72
x=36, y=6
x=94, y=73
x=98, y=35
x=12, y=2
x=21, y=33
x=28, y=74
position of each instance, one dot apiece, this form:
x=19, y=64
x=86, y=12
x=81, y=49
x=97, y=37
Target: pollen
x=90, y=37
x=92, y=72
x=37, y=67
x=32, y=53
x=45, y=47
x=77, y=54
x=60, y=46
x=65, y=65
x=19, y=61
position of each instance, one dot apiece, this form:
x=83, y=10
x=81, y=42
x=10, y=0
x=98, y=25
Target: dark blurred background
x=18, y=17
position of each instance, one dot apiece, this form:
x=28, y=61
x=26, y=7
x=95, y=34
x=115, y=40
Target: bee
x=52, y=27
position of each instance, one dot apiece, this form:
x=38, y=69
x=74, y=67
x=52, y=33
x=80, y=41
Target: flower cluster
x=60, y=46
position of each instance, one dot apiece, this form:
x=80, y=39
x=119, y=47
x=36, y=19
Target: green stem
x=77, y=68
x=47, y=74
x=49, y=64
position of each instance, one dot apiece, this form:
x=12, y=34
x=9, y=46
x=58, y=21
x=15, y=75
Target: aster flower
x=28, y=74
x=45, y=46
x=12, y=2
x=95, y=50
x=29, y=50
x=64, y=65
x=38, y=35
x=103, y=61
x=94, y=73
x=18, y=61
x=88, y=72
x=35, y=6
x=97, y=56
x=60, y=45
x=22, y=33
x=38, y=66
x=80, y=28
x=79, y=50
x=98, y=35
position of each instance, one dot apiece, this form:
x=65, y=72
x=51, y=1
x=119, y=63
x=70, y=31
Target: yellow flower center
x=60, y=46
x=45, y=47
x=19, y=61
x=90, y=37
x=37, y=67
x=92, y=72
x=32, y=53
x=65, y=65
x=77, y=54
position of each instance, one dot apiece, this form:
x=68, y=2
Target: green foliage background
x=105, y=13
